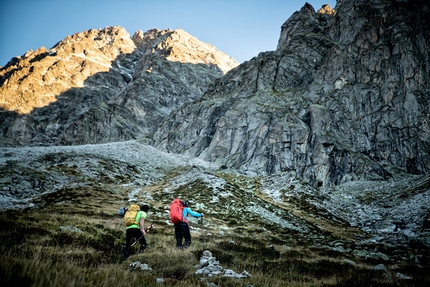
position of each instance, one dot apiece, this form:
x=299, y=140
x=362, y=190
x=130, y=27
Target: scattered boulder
x=381, y=267
x=349, y=262
x=140, y=266
x=394, y=267
x=401, y=276
x=209, y=267
x=231, y=273
x=71, y=228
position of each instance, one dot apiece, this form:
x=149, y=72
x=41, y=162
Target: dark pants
x=182, y=231
x=135, y=233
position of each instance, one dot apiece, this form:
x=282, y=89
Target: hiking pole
x=146, y=230
x=135, y=242
x=203, y=238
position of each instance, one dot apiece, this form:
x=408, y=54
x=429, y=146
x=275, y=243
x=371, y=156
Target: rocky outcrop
x=102, y=85
x=210, y=267
x=344, y=97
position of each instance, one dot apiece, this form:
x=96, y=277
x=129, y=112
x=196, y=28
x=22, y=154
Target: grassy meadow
x=70, y=235
x=79, y=244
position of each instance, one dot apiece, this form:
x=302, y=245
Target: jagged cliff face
x=344, y=97
x=102, y=85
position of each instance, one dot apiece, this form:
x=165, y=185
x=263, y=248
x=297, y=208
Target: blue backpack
x=122, y=211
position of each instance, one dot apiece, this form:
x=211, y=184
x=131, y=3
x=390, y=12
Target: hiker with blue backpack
x=179, y=212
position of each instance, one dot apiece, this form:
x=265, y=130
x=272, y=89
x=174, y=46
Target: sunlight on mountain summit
x=36, y=79
x=185, y=48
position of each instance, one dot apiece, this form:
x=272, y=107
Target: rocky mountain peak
x=304, y=22
x=326, y=9
x=42, y=75
x=179, y=46
x=141, y=38
x=110, y=42
x=104, y=74
x=183, y=47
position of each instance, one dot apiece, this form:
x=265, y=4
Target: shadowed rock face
x=344, y=97
x=102, y=85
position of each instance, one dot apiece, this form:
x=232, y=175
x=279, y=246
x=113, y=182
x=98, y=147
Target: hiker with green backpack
x=179, y=212
x=134, y=219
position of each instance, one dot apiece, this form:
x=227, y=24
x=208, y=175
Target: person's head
x=184, y=203
x=144, y=207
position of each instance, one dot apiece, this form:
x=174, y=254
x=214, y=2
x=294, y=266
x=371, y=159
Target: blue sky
x=239, y=28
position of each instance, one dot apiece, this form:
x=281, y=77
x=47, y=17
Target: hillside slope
x=59, y=212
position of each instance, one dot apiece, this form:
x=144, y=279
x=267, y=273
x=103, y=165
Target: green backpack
x=130, y=215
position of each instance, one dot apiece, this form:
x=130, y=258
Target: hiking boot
x=187, y=244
